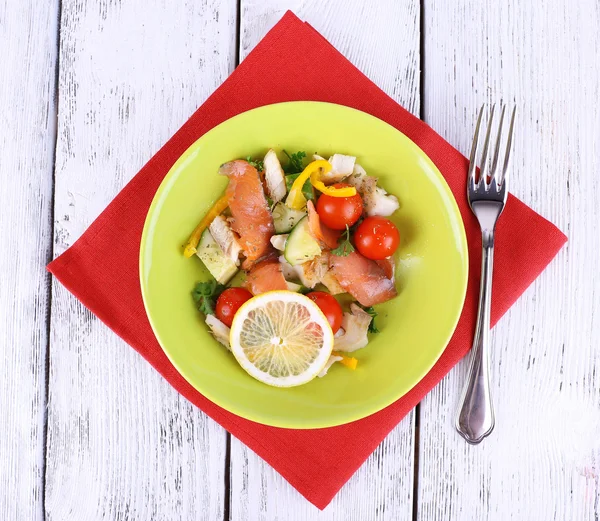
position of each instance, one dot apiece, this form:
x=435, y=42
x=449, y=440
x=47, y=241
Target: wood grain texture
x=542, y=461
x=384, y=44
x=28, y=32
x=122, y=444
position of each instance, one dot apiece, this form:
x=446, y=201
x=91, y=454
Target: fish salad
x=317, y=227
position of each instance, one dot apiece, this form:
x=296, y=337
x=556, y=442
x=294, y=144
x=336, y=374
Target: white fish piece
x=358, y=170
x=356, y=326
x=224, y=236
x=274, y=177
x=376, y=200
x=317, y=157
x=332, y=360
x=308, y=273
x=341, y=167
x=361, y=181
x=219, y=330
x=331, y=283
x=289, y=271
x=312, y=272
x=278, y=241
x=381, y=203
x=304, y=272
x=342, y=164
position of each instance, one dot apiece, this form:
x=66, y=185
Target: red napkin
x=316, y=462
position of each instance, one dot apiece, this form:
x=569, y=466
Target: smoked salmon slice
x=252, y=219
x=319, y=231
x=389, y=268
x=363, y=278
x=265, y=276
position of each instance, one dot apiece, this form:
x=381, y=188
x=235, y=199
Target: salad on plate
x=300, y=254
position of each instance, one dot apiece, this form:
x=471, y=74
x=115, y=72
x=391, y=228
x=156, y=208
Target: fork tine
x=483, y=169
x=506, y=168
x=474, y=146
x=494, y=175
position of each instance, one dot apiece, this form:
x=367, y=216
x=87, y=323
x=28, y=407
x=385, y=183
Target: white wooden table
x=89, y=90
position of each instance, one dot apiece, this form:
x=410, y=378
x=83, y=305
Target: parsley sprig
x=371, y=311
x=205, y=295
x=345, y=247
x=295, y=164
x=256, y=163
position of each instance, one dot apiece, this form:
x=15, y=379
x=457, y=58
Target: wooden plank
x=28, y=33
x=122, y=444
x=543, y=459
x=382, y=488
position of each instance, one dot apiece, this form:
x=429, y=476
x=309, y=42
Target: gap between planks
x=50, y=258
x=227, y=495
x=417, y=424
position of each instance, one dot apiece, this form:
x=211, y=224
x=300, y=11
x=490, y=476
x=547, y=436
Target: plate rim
x=303, y=424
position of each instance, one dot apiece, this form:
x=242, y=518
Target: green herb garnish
x=307, y=188
x=205, y=295
x=256, y=163
x=345, y=247
x=371, y=311
x=294, y=165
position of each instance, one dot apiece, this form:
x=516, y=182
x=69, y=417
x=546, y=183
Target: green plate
x=431, y=266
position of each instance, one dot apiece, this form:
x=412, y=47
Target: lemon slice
x=281, y=338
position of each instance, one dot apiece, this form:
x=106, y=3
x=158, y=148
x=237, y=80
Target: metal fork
x=487, y=196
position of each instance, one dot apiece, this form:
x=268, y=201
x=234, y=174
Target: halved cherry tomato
x=339, y=212
x=330, y=308
x=377, y=238
x=229, y=302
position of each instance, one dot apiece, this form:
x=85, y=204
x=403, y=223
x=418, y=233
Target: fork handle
x=475, y=418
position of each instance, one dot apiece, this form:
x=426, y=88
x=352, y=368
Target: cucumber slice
x=285, y=218
x=300, y=245
x=292, y=286
x=221, y=267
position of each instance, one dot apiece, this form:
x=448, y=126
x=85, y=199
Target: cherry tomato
x=339, y=212
x=330, y=308
x=377, y=238
x=229, y=302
